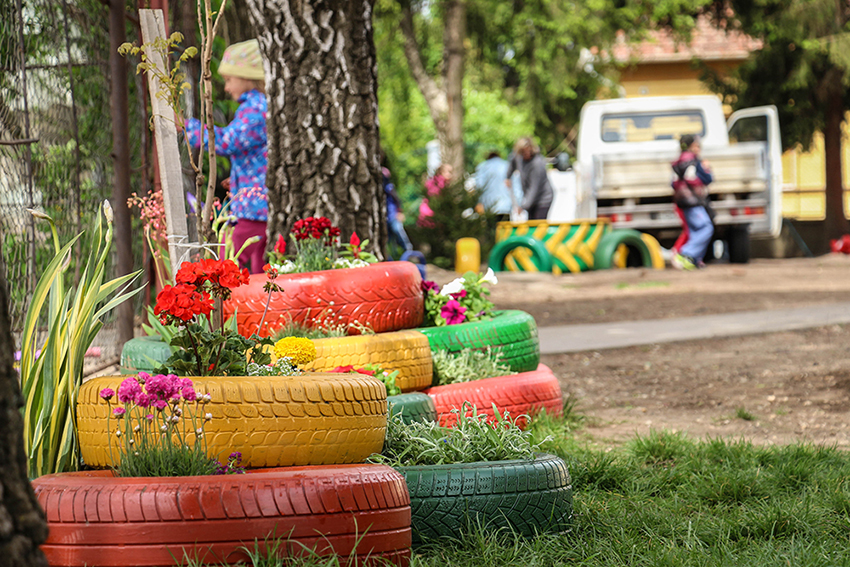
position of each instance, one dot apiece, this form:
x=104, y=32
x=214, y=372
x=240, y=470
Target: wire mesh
x=55, y=141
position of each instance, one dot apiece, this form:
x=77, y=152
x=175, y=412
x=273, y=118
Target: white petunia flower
x=454, y=286
x=490, y=277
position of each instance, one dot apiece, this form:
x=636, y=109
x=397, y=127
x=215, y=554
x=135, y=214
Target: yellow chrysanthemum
x=300, y=350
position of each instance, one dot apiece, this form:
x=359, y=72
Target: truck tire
x=528, y=497
x=96, y=518
x=738, y=241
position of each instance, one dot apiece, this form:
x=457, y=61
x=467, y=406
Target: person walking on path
x=535, y=181
x=691, y=177
x=245, y=142
x=495, y=197
x=395, y=216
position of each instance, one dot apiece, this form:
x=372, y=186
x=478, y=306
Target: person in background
x=535, y=181
x=433, y=187
x=691, y=177
x=244, y=141
x=395, y=217
x=495, y=197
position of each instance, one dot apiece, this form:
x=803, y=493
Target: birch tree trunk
x=322, y=119
x=22, y=525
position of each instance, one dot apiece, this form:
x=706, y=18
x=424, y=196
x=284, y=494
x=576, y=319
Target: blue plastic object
x=417, y=258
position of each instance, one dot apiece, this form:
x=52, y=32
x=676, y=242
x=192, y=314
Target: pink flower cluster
x=147, y=391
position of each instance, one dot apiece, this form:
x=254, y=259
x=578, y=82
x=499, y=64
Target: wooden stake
x=168, y=151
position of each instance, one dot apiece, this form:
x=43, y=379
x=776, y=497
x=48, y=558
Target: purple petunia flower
x=430, y=286
x=453, y=312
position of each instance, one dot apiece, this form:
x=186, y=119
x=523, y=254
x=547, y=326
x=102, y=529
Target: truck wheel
x=738, y=242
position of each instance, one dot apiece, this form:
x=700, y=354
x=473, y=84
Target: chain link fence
x=56, y=141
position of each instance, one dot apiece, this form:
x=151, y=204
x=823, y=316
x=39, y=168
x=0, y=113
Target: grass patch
x=742, y=413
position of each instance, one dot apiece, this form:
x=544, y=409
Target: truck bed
x=634, y=190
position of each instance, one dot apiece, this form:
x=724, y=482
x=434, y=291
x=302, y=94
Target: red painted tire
x=98, y=520
x=386, y=296
x=524, y=393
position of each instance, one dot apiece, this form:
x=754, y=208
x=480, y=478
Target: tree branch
x=434, y=96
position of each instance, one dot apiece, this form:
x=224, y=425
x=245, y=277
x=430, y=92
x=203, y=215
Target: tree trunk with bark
x=120, y=106
x=323, y=115
x=836, y=221
x=445, y=101
x=22, y=524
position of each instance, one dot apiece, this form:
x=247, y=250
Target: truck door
x=761, y=124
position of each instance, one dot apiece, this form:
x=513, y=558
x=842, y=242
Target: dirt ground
x=770, y=388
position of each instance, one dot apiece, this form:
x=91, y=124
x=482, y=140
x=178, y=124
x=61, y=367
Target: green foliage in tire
x=527, y=497
x=513, y=332
x=414, y=406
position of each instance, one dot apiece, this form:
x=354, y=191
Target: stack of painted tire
x=539, y=246
x=313, y=430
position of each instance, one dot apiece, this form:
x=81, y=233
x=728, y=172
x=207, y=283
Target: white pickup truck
x=623, y=167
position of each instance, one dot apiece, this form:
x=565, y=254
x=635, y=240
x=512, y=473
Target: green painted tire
x=540, y=256
x=143, y=354
x=414, y=406
x=512, y=331
x=528, y=497
x=603, y=258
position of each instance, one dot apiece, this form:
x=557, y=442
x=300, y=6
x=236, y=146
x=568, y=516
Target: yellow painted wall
x=803, y=172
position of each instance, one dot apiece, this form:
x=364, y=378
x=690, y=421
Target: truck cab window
x=749, y=129
x=647, y=126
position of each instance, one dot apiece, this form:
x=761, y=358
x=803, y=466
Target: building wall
x=803, y=172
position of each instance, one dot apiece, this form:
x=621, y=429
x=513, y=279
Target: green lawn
x=666, y=500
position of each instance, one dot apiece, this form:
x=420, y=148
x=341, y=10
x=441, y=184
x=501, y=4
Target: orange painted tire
x=96, y=519
x=409, y=352
x=524, y=393
x=386, y=296
x=274, y=421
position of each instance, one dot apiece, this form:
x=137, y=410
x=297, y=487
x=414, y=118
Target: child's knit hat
x=243, y=60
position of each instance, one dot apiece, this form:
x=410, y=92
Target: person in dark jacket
x=537, y=190
x=691, y=177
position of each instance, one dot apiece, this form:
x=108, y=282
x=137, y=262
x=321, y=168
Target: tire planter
x=386, y=296
x=513, y=332
x=143, y=354
x=413, y=407
x=529, y=497
x=97, y=520
x=611, y=254
x=313, y=419
x=519, y=394
x=409, y=352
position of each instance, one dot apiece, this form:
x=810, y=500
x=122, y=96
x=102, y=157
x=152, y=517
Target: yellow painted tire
x=409, y=352
x=313, y=419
